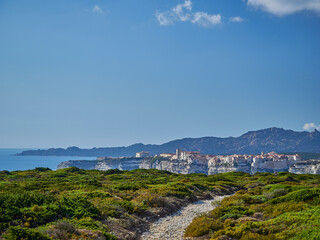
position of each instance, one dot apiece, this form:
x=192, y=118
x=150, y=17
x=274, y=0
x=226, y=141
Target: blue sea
x=10, y=162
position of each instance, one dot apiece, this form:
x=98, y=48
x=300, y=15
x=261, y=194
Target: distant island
x=252, y=142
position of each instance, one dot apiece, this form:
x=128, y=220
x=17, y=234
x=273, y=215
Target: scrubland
x=90, y=204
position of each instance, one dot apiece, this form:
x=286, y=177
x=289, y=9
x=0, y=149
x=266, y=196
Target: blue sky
x=109, y=73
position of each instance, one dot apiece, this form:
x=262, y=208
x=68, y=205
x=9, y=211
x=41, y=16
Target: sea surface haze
x=9, y=161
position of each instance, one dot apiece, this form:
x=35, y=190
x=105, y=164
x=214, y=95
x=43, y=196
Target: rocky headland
x=103, y=163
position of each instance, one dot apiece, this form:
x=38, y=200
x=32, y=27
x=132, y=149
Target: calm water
x=11, y=163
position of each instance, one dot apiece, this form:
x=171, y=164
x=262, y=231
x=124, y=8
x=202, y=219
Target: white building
x=142, y=154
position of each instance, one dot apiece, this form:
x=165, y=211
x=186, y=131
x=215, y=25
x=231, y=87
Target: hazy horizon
x=145, y=143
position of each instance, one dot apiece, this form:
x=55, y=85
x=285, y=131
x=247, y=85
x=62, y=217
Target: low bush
x=276, y=193
x=276, y=208
x=146, y=199
x=201, y=226
x=18, y=232
x=298, y=196
x=34, y=203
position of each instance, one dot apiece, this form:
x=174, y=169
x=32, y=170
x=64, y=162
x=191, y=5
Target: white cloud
x=183, y=13
x=97, y=9
x=311, y=126
x=285, y=7
x=236, y=19
x=164, y=18
x=205, y=19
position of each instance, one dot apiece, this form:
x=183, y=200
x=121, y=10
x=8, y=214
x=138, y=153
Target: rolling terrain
x=253, y=142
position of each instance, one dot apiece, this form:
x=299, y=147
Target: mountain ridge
x=252, y=142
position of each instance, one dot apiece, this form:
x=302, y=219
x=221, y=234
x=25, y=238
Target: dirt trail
x=172, y=227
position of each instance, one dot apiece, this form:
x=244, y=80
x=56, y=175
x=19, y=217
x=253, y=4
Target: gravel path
x=173, y=226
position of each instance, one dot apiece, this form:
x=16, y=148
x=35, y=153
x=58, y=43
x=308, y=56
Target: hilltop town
x=194, y=162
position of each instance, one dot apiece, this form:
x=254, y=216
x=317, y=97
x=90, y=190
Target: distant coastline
x=252, y=142
x=10, y=161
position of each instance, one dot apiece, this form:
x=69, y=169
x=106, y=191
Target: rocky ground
x=172, y=227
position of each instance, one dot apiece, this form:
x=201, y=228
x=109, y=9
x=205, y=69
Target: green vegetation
x=286, y=206
x=90, y=204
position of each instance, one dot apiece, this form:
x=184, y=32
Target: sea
x=9, y=161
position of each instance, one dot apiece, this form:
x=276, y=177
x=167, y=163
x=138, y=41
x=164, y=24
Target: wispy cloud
x=183, y=13
x=164, y=19
x=205, y=19
x=97, y=9
x=285, y=7
x=236, y=19
x=311, y=126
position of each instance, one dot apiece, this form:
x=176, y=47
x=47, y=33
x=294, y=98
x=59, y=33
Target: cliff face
x=103, y=164
x=307, y=167
x=213, y=167
x=197, y=166
x=223, y=168
x=175, y=166
x=83, y=164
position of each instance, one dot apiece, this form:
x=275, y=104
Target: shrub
x=38, y=215
x=42, y=169
x=23, y=199
x=65, y=226
x=278, y=209
x=77, y=207
x=298, y=196
x=259, y=199
x=150, y=200
x=5, y=172
x=18, y=232
x=3, y=226
x=96, y=194
x=234, y=212
x=308, y=234
x=174, y=189
x=130, y=186
x=71, y=170
x=231, y=216
x=112, y=210
x=276, y=193
x=201, y=226
x=62, y=230
x=112, y=171
x=127, y=205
